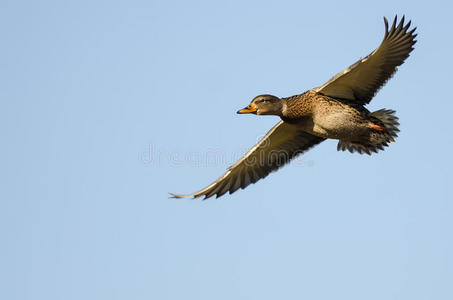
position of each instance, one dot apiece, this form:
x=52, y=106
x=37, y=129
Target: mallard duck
x=335, y=110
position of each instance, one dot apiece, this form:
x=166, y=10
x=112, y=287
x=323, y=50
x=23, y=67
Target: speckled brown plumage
x=353, y=123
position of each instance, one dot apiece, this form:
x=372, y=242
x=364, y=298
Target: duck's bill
x=251, y=109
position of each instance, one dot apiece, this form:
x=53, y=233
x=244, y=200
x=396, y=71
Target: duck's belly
x=336, y=125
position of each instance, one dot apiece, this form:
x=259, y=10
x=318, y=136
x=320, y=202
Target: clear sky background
x=107, y=106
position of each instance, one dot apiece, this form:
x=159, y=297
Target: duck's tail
x=384, y=130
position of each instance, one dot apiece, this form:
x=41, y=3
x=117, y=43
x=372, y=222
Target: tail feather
x=378, y=139
x=387, y=116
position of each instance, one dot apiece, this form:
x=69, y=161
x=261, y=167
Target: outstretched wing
x=361, y=81
x=282, y=143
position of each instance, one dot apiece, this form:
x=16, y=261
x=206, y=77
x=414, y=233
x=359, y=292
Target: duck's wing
x=361, y=81
x=282, y=143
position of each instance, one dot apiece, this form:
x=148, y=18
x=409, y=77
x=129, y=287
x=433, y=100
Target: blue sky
x=107, y=106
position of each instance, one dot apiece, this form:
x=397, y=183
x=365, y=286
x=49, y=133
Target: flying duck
x=335, y=110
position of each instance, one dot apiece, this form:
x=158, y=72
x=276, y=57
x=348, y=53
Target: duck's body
x=335, y=110
x=339, y=119
x=326, y=117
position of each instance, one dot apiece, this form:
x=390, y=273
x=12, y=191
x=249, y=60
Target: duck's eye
x=264, y=101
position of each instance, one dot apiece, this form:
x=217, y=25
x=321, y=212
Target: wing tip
x=401, y=23
x=191, y=196
x=179, y=196
x=401, y=33
x=386, y=23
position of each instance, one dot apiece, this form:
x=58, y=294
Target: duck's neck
x=285, y=114
x=296, y=107
x=284, y=107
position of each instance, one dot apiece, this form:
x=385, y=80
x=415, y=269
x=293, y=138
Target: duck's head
x=264, y=105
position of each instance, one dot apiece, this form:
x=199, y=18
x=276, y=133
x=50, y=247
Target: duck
x=335, y=110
